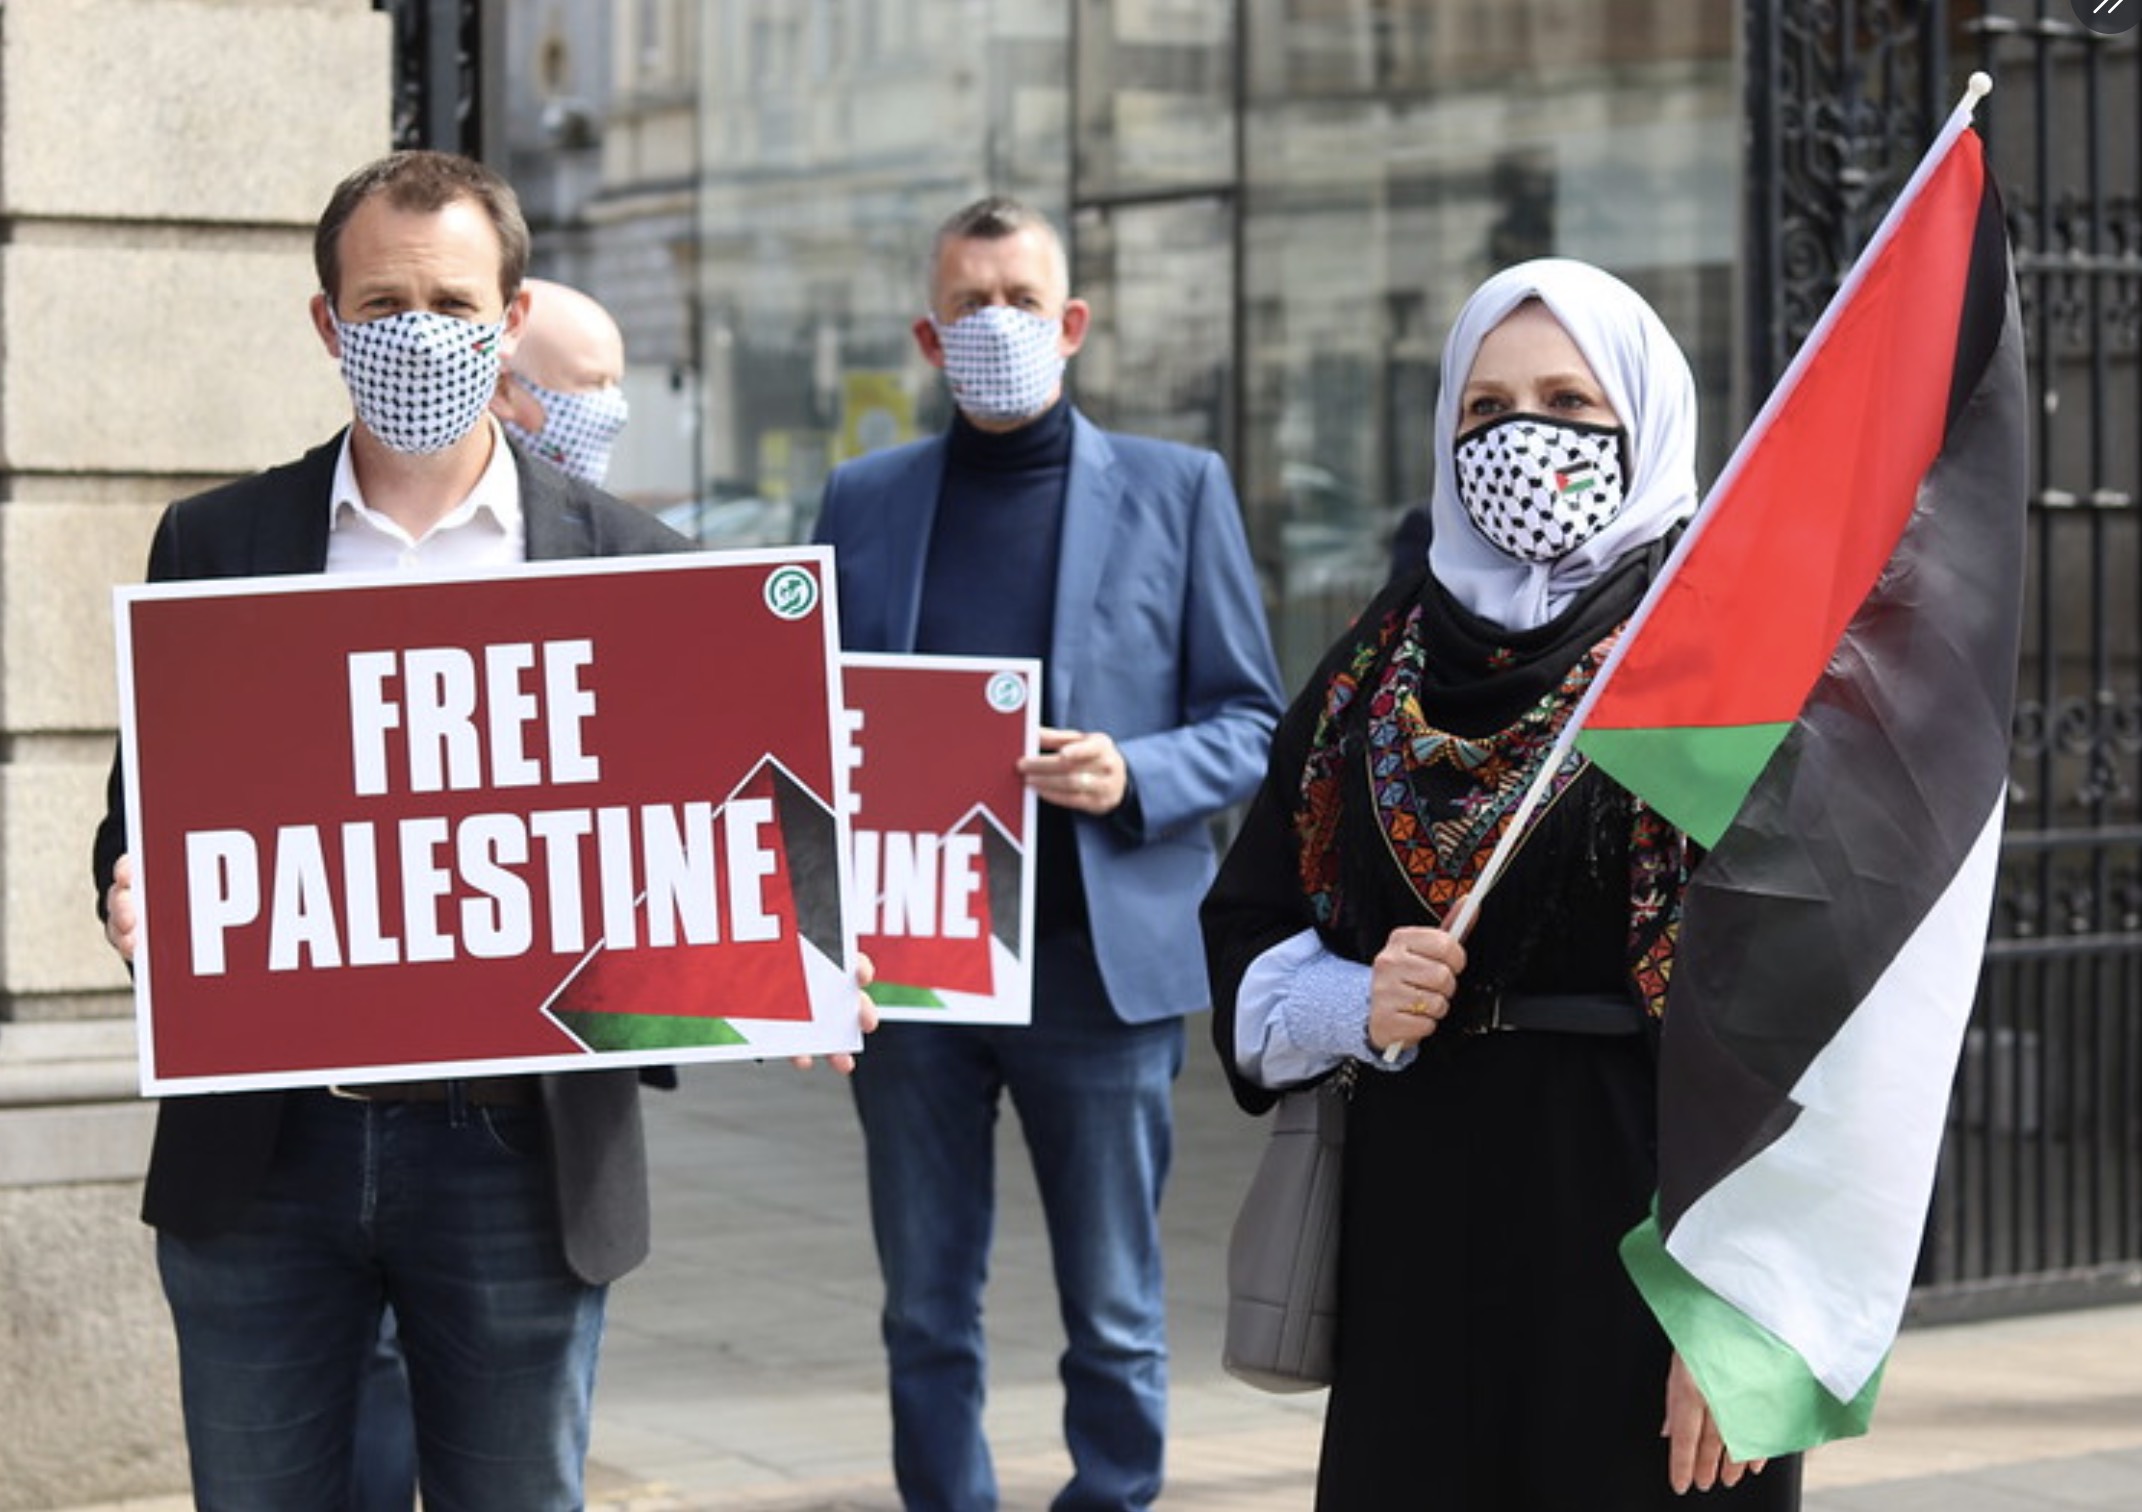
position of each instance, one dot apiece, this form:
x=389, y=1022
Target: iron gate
x=2039, y=1201
x=447, y=93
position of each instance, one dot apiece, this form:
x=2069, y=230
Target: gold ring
x=1083, y=781
x=1418, y=1008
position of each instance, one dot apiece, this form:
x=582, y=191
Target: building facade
x=1275, y=207
x=161, y=165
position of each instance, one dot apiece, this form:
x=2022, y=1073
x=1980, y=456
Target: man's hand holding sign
x=529, y=818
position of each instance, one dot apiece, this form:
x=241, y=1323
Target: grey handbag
x=1283, y=1256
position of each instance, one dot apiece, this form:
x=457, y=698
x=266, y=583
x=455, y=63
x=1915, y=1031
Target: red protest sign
x=942, y=833
x=581, y=813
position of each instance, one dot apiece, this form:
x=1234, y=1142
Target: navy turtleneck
x=989, y=585
x=989, y=589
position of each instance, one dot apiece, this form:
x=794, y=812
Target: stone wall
x=161, y=164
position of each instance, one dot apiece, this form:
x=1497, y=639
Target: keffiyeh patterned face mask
x=420, y=381
x=1539, y=488
x=578, y=428
x=1002, y=362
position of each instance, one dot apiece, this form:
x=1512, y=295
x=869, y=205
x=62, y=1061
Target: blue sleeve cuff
x=1301, y=1011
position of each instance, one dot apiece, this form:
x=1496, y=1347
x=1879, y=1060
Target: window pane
x=1156, y=96
x=834, y=137
x=1157, y=360
x=1397, y=152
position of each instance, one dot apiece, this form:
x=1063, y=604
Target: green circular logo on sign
x=1006, y=692
x=791, y=592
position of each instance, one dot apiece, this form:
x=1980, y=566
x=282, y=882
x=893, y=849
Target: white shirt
x=485, y=530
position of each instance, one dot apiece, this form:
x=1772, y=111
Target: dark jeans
x=1094, y=1101
x=446, y=1214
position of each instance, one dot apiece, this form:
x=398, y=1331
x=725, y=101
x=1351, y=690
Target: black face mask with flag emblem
x=1537, y=488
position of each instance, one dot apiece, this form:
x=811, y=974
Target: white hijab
x=1648, y=383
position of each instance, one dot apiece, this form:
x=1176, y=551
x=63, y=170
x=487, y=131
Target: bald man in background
x=559, y=395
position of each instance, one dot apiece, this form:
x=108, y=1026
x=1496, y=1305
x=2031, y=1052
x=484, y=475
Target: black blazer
x=212, y=1151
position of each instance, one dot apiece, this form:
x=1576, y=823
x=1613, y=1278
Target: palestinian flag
x=1819, y=691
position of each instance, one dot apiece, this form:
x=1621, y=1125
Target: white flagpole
x=1461, y=922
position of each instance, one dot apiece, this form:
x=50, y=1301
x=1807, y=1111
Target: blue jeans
x=445, y=1213
x=1093, y=1096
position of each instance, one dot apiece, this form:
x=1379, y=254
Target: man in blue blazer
x=1120, y=562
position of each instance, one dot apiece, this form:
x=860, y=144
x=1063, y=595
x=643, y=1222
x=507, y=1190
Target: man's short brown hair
x=424, y=182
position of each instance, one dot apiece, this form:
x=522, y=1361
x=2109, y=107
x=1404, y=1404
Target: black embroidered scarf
x=1442, y=719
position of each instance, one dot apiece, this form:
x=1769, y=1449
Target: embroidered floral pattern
x=1443, y=801
x=1316, y=820
x=1658, y=877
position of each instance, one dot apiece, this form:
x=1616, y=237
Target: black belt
x=1553, y=1012
x=476, y=1091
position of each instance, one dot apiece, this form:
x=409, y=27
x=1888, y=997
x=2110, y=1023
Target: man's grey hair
x=992, y=218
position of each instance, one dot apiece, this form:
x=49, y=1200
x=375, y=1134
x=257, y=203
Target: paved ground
x=742, y=1371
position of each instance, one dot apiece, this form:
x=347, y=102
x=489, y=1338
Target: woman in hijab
x=1492, y=1353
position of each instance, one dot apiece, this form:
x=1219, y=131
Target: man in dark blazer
x=1025, y=530
x=491, y=1213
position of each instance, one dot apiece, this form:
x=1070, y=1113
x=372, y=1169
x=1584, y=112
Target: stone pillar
x=161, y=163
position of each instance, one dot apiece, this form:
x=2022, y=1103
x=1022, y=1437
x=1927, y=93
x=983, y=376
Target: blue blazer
x=1159, y=641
